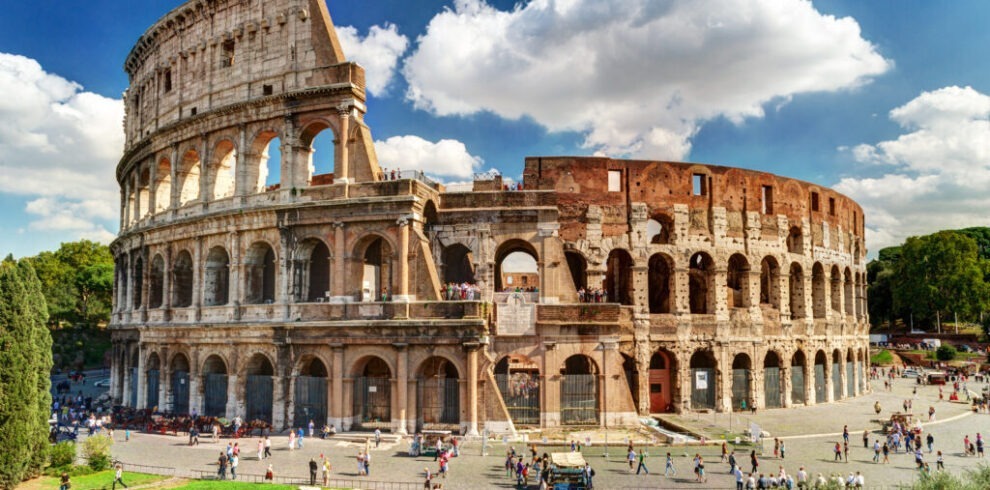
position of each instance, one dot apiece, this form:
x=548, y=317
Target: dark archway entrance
x=836, y=376
x=518, y=380
x=458, y=264
x=797, y=378
x=153, y=375
x=373, y=395
x=259, y=269
x=661, y=280
x=214, y=387
x=579, y=269
x=579, y=391
x=180, y=385
x=741, y=371
x=311, y=394
x=438, y=393
x=258, y=387
x=618, y=277
x=702, y=380
x=773, y=394
x=820, y=386
x=701, y=273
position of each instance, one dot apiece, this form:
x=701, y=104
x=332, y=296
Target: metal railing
x=297, y=480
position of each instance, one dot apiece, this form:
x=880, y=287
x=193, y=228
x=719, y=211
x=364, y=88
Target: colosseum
x=263, y=275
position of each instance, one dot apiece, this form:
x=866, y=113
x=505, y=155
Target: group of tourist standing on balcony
x=594, y=295
x=461, y=292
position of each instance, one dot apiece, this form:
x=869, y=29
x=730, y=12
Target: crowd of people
x=461, y=291
x=592, y=295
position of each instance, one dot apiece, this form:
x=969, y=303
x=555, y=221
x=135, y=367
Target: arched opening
x=223, y=170
x=516, y=267
x=818, y=290
x=850, y=304
x=579, y=391
x=458, y=264
x=795, y=240
x=430, y=218
x=836, y=293
x=120, y=276
x=797, y=378
x=376, y=269
x=266, y=174
x=163, y=185
x=850, y=378
x=311, y=393
x=259, y=274
x=632, y=376
x=741, y=373
x=836, y=375
x=618, y=277
x=215, y=387
x=216, y=279
x=518, y=380
x=660, y=229
x=152, y=375
x=438, y=394
x=795, y=285
x=373, y=395
x=137, y=282
x=773, y=394
x=661, y=283
x=737, y=281
x=820, y=381
x=182, y=280
x=156, y=290
x=701, y=275
x=703, y=380
x=144, y=194
x=179, y=393
x=770, y=282
x=188, y=177
x=578, y=268
x=311, y=271
x=258, y=387
x=322, y=153
x=661, y=382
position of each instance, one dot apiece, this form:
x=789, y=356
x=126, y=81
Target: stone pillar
x=339, y=258
x=809, y=378
x=196, y=397
x=472, y=349
x=197, y=271
x=232, y=409
x=129, y=280
x=240, y=171
x=723, y=375
x=142, y=381
x=235, y=284
x=756, y=395
x=829, y=381
x=402, y=382
x=173, y=198
x=342, y=163
x=278, y=393
x=785, y=382
x=403, y=263
x=337, y=386
x=680, y=301
x=683, y=379
x=718, y=300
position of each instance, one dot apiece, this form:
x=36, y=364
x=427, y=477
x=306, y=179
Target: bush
x=882, y=358
x=96, y=449
x=62, y=454
x=945, y=353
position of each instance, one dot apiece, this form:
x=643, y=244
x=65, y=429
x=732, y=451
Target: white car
x=103, y=383
x=910, y=373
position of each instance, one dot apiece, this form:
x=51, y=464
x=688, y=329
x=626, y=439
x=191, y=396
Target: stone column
x=142, y=381
x=232, y=409
x=339, y=266
x=683, y=379
x=402, y=382
x=829, y=381
x=240, y=171
x=809, y=378
x=680, y=301
x=129, y=290
x=342, y=163
x=472, y=349
x=278, y=393
x=197, y=271
x=196, y=397
x=785, y=382
x=337, y=386
x=173, y=198
x=723, y=375
x=403, y=263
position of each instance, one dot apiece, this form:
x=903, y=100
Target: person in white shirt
x=860, y=481
x=802, y=478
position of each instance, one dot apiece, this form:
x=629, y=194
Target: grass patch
x=883, y=358
x=229, y=485
x=99, y=480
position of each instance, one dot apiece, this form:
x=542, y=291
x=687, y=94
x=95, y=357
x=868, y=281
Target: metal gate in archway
x=850, y=380
x=152, y=388
x=579, y=399
x=134, y=387
x=836, y=381
x=258, y=397
x=771, y=387
x=215, y=395
x=702, y=388
x=439, y=400
x=797, y=384
x=180, y=392
x=310, y=400
x=820, y=383
x=372, y=401
x=740, y=388
x=521, y=394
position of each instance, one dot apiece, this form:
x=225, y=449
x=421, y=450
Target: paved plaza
x=809, y=433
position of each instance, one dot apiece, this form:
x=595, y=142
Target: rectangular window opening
x=831, y=206
x=615, y=181
x=699, y=184
x=168, y=81
x=767, y=199
x=228, y=55
x=267, y=90
x=192, y=112
x=814, y=201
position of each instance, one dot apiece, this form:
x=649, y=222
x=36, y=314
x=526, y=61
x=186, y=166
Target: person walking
x=312, y=471
x=866, y=438
x=367, y=463
x=631, y=457
x=233, y=466
x=642, y=462
x=312, y=428
x=222, y=466
x=118, y=475
x=270, y=474
x=378, y=437
x=939, y=462
x=737, y=472
x=669, y=469
x=268, y=447
x=838, y=452
x=930, y=439
x=292, y=440
x=783, y=450
x=733, y=464
x=886, y=453
x=755, y=462
x=326, y=471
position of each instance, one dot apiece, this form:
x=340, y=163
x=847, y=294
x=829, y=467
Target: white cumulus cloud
x=59, y=145
x=444, y=158
x=378, y=53
x=637, y=77
x=939, y=168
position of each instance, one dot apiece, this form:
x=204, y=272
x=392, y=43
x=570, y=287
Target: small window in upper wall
x=615, y=181
x=831, y=206
x=227, y=59
x=168, y=81
x=855, y=220
x=814, y=201
x=699, y=185
x=767, y=199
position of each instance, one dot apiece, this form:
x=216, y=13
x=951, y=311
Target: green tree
x=945, y=353
x=880, y=277
x=41, y=343
x=78, y=282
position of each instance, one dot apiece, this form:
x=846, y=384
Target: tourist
x=292, y=439
x=118, y=475
x=378, y=437
x=299, y=437
x=360, y=463
x=270, y=474
x=754, y=462
x=642, y=462
x=261, y=449
x=65, y=484
x=725, y=451
x=802, y=478
x=866, y=438
x=876, y=451
x=326, y=471
x=268, y=446
x=732, y=462
x=222, y=466
x=776, y=447
x=367, y=462
x=737, y=472
x=838, y=452
x=233, y=466
x=312, y=471
x=886, y=453
x=589, y=473
x=701, y=469
x=783, y=450
x=631, y=457
x=939, y=462
x=669, y=469
x=312, y=427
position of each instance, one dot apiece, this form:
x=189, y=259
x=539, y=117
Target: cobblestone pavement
x=810, y=431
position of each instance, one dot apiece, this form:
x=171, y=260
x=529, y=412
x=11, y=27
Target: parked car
x=910, y=373
x=103, y=383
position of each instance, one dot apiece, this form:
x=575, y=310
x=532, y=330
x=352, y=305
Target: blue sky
x=884, y=100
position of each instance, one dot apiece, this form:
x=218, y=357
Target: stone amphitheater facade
x=722, y=288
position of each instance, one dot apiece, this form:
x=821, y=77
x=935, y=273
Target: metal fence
x=215, y=393
x=702, y=388
x=180, y=392
x=311, y=400
x=740, y=388
x=797, y=384
x=439, y=399
x=152, y=398
x=820, y=383
x=258, y=392
x=579, y=399
x=372, y=400
x=771, y=387
x=298, y=480
x=521, y=394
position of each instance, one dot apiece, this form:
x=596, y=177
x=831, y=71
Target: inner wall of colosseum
x=324, y=289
